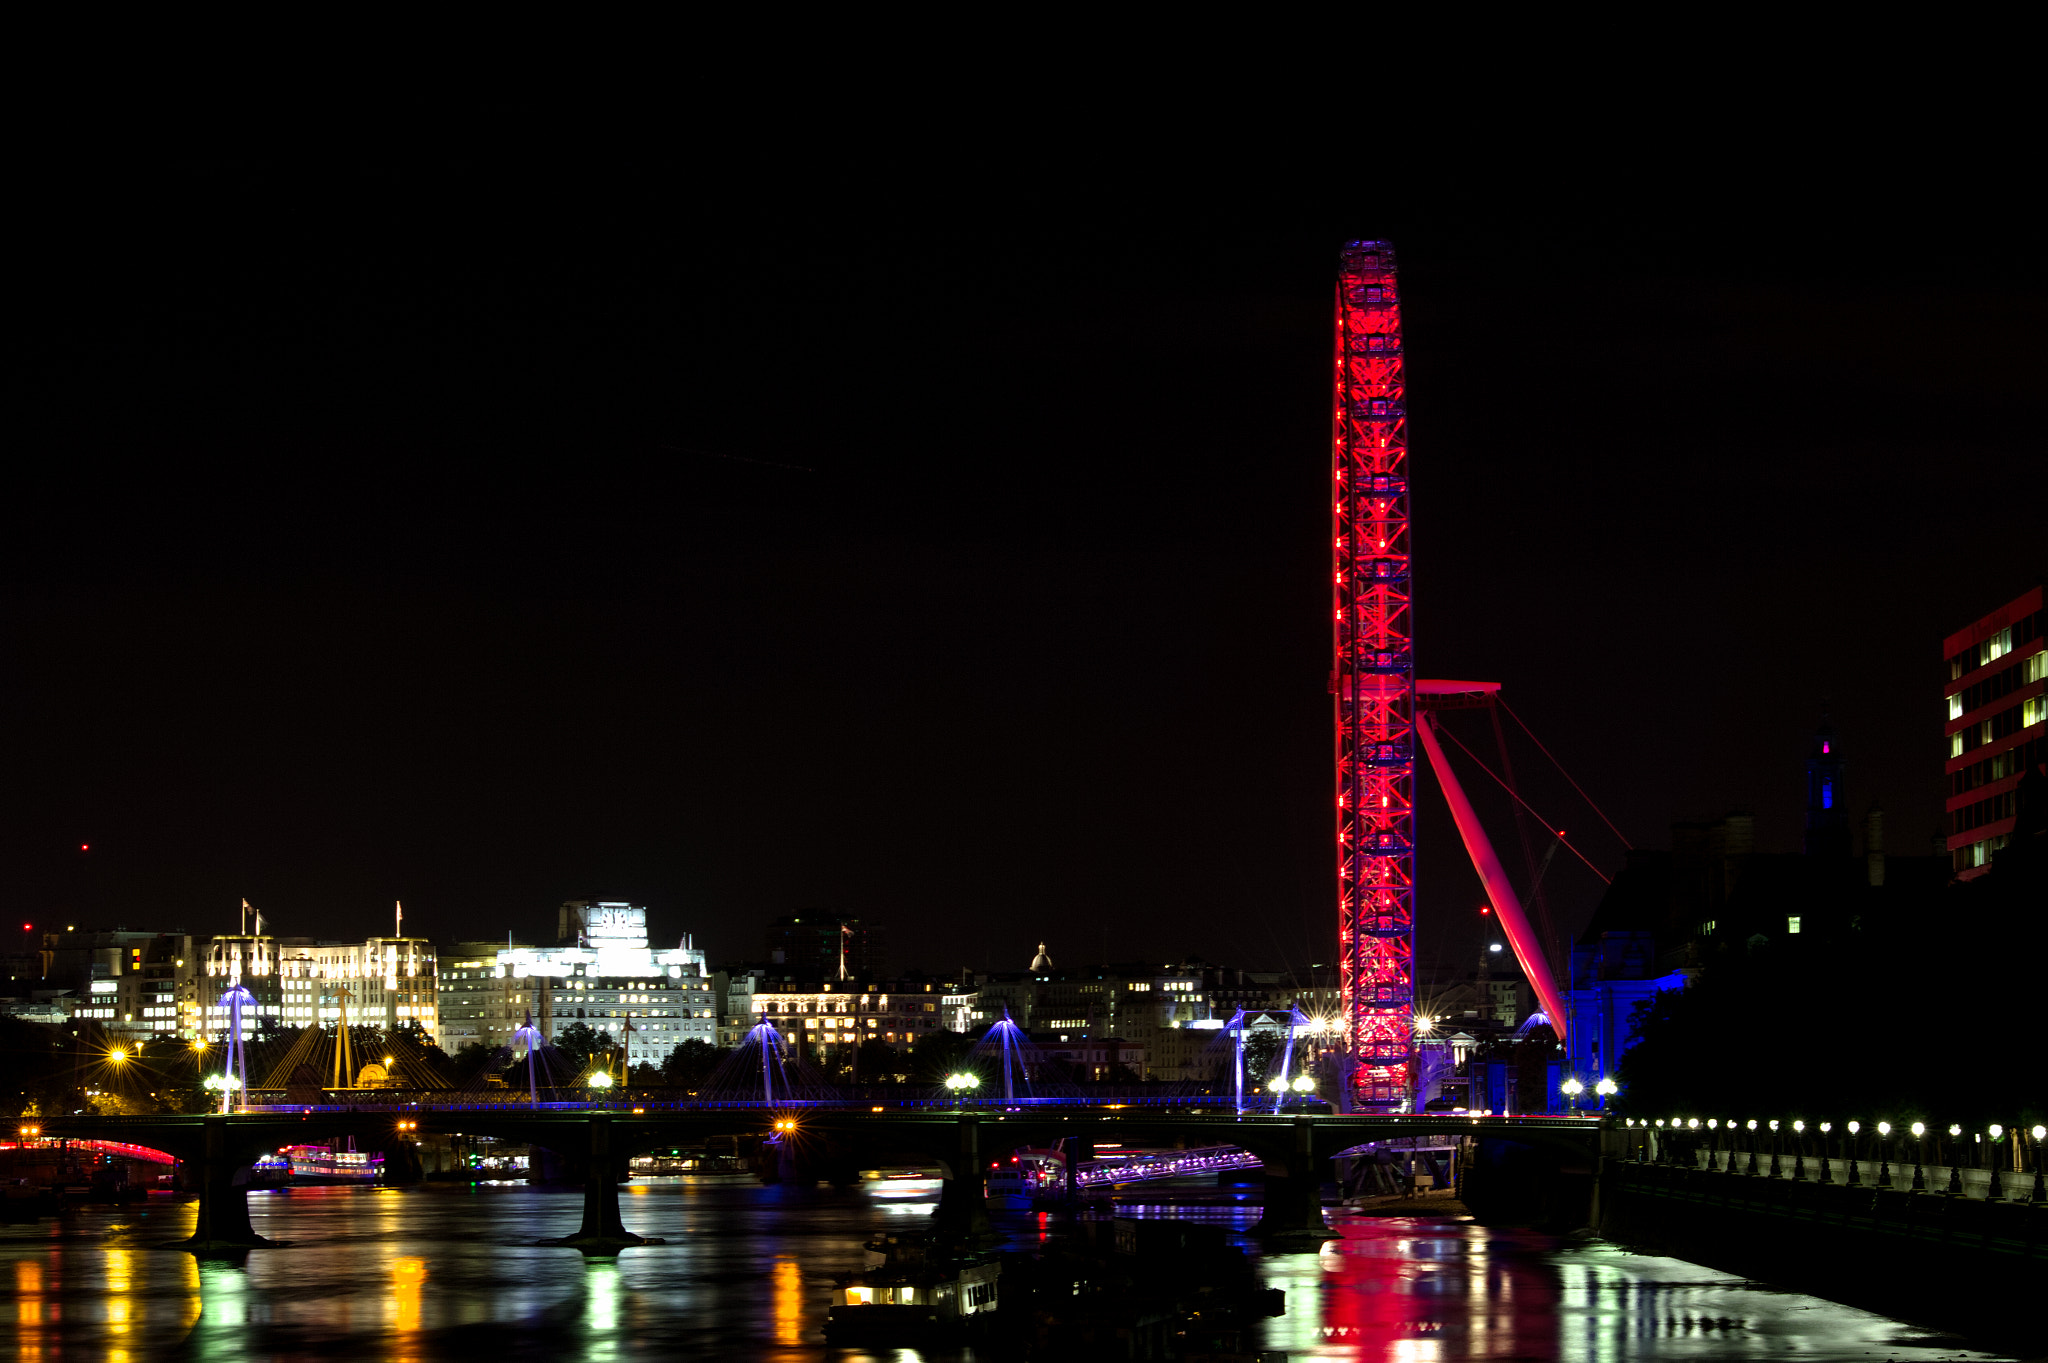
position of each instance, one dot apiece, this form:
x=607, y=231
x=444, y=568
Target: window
x=1707, y=928
x=1955, y=744
x=1792, y=923
x=1955, y=704
x=2037, y=667
x=2034, y=711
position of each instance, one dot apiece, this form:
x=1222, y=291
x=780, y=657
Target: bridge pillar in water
x=1294, y=1202
x=223, y=1223
x=962, y=1213
x=603, y=1232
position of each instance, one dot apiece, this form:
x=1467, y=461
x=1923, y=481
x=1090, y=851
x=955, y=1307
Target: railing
x=2007, y=1167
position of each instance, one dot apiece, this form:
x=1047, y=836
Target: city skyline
x=394, y=618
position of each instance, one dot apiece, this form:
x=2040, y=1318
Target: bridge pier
x=1294, y=1204
x=962, y=1213
x=603, y=1232
x=223, y=1224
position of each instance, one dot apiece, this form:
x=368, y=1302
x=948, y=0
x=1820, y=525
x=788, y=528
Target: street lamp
x=1277, y=1084
x=1304, y=1084
x=1919, y=1130
x=1996, y=1193
x=1855, y=1167
x=599, y=1079
x=1884, y=1154
x=1572, y=1088
x=1955, y=1160
x=117, y=1055
x=1825, y=1175
x=2040, y=1193
x=1798, y=1152
x=961, y=1084
x=1752, y=1147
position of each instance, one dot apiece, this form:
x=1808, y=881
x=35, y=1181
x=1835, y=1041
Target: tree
x=1262, y=1052
x=691, y=1063
x=586, y=1045
x=470, y=1059
x=880, y=1062
x=937, y=1054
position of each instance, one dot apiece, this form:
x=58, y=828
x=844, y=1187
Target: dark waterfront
x=443, y=1273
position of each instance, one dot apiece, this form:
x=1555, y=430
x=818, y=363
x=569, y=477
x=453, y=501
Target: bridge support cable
x=1557, y=832
x=1372, y=681
x=1506, y=906
x=1537, y=898
x=1567, y=776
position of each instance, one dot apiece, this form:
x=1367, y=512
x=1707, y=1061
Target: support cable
x=1566, y=775
x=1526, y=805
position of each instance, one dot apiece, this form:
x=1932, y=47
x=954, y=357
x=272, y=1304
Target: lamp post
x=1884, y=1154
x=1996, y=1193
x=1752, y=1147
x=1713, y=1144
x=1572, y=1088
x=1919, y=1146
x=1855, y=1168
x=1825, y=1175
x=1606, y=1088
x=1955, y=1160
x=2040, y=1193
x=1799, y=1152
x=961, y=1085
x=1776, y=1172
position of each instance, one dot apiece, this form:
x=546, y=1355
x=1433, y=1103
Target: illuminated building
x=1160, y=1009
x=829, y=1014
x=477, y=1004
x=1996, y=718
x=381, y=982
x=604, y=974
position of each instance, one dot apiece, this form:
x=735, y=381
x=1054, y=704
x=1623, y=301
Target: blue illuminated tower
x=1827, y=828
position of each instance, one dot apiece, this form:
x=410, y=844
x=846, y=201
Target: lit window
x=2037, y=667
x=1955, y=702
x=2034, y=711
x=1792, y=923
x=1955, y=744
x=1707, y=928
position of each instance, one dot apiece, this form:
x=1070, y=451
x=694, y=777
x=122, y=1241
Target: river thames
x=451, y=1273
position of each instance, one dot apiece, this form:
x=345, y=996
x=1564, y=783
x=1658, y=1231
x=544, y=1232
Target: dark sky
x=948, y=546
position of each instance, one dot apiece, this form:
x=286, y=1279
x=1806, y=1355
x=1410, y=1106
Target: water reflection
x=443, y=1273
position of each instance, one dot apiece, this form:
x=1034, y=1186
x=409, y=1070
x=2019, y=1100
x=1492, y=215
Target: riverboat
x=319, y=1164
x=914, y=1288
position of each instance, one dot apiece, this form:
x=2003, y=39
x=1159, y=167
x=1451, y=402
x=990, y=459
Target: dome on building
x=1041, y=961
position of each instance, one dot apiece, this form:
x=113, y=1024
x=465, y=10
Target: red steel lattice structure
x=1373, y=682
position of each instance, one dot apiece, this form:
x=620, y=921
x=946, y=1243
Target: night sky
x=949, y=546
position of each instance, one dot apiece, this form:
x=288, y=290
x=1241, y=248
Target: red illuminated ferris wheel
x=1382, y=710
x=1373, y=680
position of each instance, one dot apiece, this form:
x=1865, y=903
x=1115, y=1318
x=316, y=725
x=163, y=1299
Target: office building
x=1996, y=719
x=824, y=946
x=604, y=973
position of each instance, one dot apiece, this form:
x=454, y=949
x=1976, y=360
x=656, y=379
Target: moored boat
x=915, y=1288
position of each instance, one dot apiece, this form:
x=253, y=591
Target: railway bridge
x=219, y=1149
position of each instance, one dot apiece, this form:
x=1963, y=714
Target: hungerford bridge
x=595, y=1141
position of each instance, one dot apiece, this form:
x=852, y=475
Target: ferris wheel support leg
x=1506, y=906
